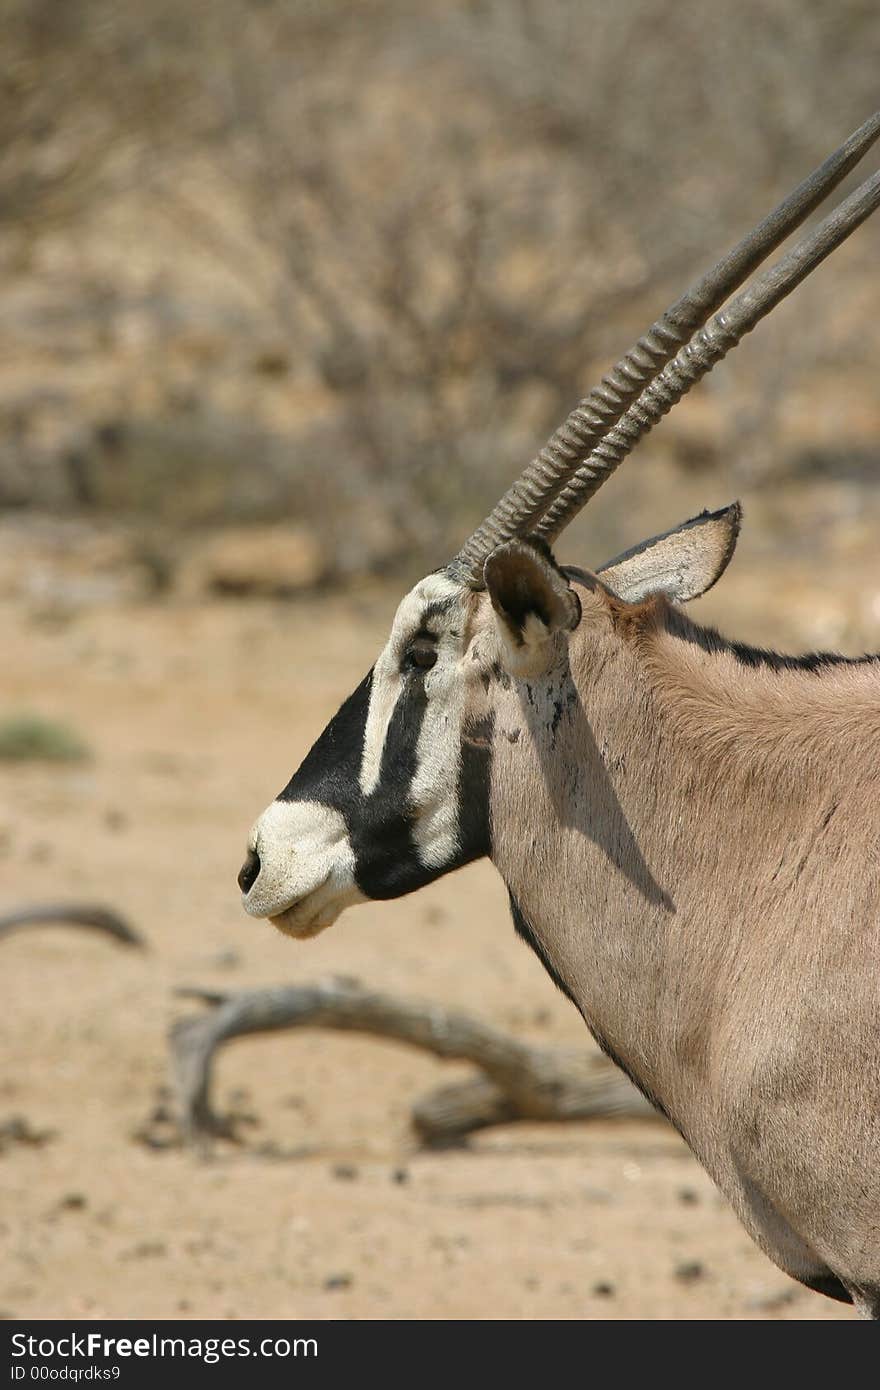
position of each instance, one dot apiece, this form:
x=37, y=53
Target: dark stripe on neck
x=712, y=642
x=474, y=777
x=815, y=662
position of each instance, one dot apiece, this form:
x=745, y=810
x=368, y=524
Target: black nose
x=249, y=871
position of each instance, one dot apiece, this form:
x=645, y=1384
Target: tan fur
x=702, y=870
x=694, y=843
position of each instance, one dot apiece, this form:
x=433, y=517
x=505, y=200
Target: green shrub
x=31, y=738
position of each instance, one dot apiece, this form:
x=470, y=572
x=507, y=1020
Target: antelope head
x=397, y=789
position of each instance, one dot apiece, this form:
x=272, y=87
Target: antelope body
x=685, y=825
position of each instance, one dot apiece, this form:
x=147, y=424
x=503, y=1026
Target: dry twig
x=518, y=1081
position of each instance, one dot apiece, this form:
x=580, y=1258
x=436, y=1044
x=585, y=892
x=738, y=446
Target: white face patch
x=387, y=680
x=434, y=790
x=374, y=809
x=307, y=867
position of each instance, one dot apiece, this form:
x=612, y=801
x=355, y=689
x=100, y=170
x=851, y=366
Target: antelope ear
x=533, y=601
x=682, y=564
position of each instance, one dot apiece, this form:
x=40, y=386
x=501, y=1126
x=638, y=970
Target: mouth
x=294, y=924
x=305, y=917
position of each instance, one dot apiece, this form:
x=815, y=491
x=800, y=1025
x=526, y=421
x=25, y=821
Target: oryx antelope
x=687, y=826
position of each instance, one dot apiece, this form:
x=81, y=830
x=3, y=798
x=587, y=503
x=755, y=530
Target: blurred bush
x=349, y=261
x=31, y=738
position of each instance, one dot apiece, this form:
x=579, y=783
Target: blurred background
x=290, y=292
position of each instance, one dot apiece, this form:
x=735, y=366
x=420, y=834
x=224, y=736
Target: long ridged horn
x=572, y=465
x=708, y=345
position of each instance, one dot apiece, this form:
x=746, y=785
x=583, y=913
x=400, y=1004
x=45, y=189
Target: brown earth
x=196, y=713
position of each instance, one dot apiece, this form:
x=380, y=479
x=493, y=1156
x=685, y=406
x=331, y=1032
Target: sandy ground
x=196, y=715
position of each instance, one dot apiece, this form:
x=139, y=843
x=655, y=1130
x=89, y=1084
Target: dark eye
x=421, y=655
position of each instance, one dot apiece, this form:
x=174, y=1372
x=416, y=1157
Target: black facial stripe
x=399, y=754
x=380, y=823
x=386, y=858
x=387, y=862
x=330, y=771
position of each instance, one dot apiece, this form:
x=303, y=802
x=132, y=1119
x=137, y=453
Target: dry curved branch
x=519, y=1081
x=75, y=915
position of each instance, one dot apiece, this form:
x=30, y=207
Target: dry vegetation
x=291, y=288
x=349, y=263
